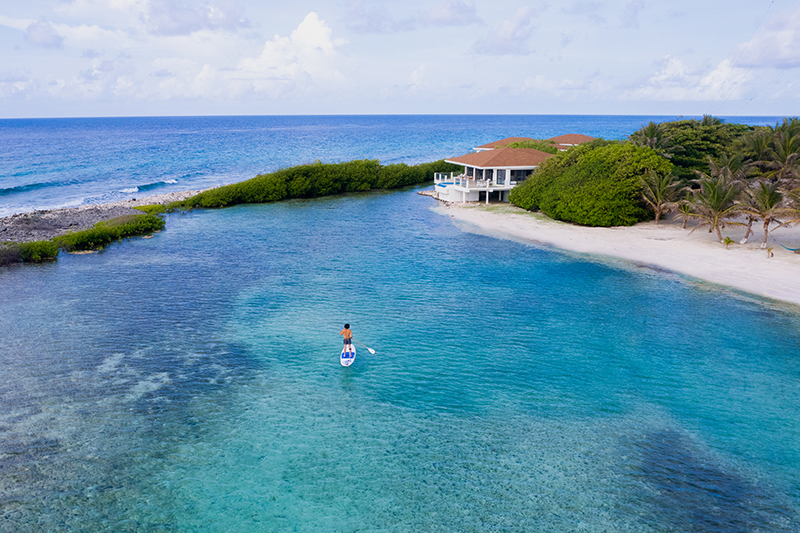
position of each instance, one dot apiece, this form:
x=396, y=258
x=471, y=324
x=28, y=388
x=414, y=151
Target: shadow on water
x=692, y=492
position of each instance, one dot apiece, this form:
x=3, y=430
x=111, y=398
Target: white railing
x=468, y=182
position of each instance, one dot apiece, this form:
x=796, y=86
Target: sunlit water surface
x=190, y=382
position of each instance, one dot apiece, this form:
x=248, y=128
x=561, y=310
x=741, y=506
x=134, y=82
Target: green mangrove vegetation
x=109, y=231
x=98, y=236
x=153, y=209
x=318, y=179
x=27, y=252
x=304, y=181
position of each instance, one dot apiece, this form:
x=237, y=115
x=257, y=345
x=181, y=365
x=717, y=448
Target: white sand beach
x=698, y=254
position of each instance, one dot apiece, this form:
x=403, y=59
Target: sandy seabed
x=697, y=254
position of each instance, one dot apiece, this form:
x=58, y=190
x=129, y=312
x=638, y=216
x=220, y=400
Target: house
x=501, y=142
x=564, y=142
x=493, y=169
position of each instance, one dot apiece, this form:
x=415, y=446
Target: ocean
x=190, y=382
x=52, y=163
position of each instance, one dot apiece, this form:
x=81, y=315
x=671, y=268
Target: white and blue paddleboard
x=348, y=355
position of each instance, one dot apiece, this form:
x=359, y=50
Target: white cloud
x=364, y=17
x=776, y=45
x=589, y=87
x=510, y=37
x=285, y=63
x=184, y=17
x=60, y=35
x=15, y=23
x=418, y=82
x=677, y=82
x=452, y=13
x=12, y=86
x=42, y=33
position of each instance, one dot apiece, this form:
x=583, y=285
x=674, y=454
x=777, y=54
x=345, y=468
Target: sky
x=67, y=58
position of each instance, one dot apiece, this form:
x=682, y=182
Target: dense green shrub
x=155, y=209
x=108, y=231
x=693, y=141
x=595, y=184
x=527, y=194
x=37, y=251
x=27, y=252
x=399, y=175
x=318, y=179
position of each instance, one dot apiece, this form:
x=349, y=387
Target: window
x=520, y=175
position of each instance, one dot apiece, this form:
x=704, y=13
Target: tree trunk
x=749, y=229
x=719, y=232
x=766, y=231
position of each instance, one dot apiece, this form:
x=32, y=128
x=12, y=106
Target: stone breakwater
x=44, y=225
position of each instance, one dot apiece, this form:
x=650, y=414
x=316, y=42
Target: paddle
x=367, y=347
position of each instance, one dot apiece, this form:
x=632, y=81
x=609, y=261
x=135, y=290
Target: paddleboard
x=348, y=355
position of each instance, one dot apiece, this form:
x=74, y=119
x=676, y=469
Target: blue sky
x=208, y=57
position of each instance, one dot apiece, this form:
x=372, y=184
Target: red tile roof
x=503, y=157
x=571, y=139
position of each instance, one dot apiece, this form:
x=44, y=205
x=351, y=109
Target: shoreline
x=742, y=267
x=46, y=224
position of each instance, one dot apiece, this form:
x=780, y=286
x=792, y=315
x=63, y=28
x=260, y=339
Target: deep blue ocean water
x=190, y=382
x=49, y=163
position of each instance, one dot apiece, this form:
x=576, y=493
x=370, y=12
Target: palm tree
x=792, y=209
x=784, y=156
x=763, y=201
x=653, y=136
x=758, y=143
x=749, y=229
x=715, y=201
x=661, y=192
x=790, y=126
x=734, y=163
x=685, y=208
x=709, y=120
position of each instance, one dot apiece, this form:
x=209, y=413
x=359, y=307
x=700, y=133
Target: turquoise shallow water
x=190, y=382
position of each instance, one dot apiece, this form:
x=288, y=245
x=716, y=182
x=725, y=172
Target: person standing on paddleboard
x=348, y=335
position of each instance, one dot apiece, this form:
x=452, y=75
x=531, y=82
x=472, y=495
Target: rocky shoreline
x=44, y=225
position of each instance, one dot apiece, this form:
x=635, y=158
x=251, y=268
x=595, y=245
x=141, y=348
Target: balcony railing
x=468, y=182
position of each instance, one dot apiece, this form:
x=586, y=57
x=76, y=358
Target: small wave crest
x=156, y=185
x=26, y=188
x=148, y=186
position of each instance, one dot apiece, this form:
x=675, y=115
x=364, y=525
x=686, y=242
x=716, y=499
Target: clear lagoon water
x=190, y=382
